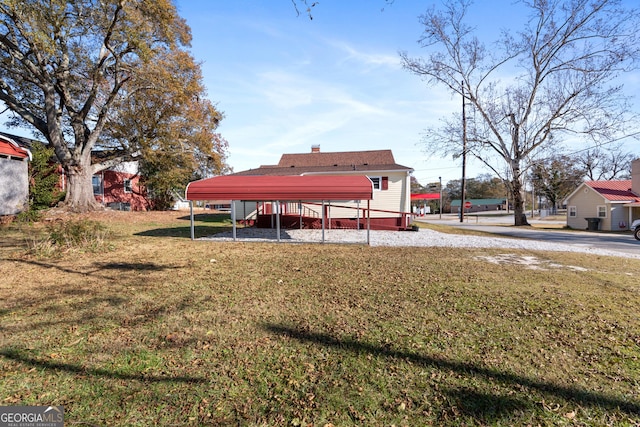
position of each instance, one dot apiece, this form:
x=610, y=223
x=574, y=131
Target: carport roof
x=293, y=187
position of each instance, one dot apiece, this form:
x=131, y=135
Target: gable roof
x=615, y=191
x=331, y=162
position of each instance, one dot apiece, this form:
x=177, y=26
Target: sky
x=285, y=82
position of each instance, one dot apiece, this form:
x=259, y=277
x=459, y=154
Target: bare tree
x=606, y=164
x=555, y=77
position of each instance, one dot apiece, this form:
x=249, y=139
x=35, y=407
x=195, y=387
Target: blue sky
x=285, y=82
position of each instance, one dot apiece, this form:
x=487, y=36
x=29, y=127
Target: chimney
x=315, y=148
x=635, y=176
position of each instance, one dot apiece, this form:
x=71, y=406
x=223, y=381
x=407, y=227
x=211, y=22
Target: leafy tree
x=172, y=127
x=556, y=178
x=606, y=164
x=562, y=67
x=481, y=187
x=43, y=179
x=67, y=67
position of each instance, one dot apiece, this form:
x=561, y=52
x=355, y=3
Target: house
x=14, y=175
x=480, y=205
x=390, y=208
x=119, y=188
x=605, y=205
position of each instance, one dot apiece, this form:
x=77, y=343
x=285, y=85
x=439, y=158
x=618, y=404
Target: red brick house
x=119, y=188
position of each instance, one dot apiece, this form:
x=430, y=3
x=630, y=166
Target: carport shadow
x=185, y=232
x=469, y=400
x=208, y=217
x=201, y=228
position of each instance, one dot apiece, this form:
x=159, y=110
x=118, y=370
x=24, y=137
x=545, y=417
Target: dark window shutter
x=385, y=183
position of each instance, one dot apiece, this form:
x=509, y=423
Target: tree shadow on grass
x=102, y=266
x=17, y=356
x=471, y=403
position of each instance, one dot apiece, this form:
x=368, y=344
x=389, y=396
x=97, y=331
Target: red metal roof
x=425, y=196
x=10, y=148
x=616, y=191
x=264, y=188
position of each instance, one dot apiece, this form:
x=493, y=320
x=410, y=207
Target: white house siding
x=586, y=200
x=14, y=185
x=618, y=218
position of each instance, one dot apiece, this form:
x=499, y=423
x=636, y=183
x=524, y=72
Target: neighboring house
x=480, y=205
x=116, y=188
x=608, y=205
x=119, y=188
x=14, y=176
x=391, y=204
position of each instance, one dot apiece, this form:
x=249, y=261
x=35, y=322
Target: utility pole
x=464, y=154
x=440, y=205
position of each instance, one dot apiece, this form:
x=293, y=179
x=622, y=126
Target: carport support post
x=357, y=214
x=193, y=231
x=278, y=218
x=323, y=221
x=233, y=219
x=368, y=221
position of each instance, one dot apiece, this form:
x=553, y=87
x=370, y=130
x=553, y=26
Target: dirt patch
x=528, y=262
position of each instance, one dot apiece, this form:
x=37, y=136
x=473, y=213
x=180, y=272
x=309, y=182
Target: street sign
x=467, y=205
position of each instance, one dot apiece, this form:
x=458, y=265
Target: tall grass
x=81, y=235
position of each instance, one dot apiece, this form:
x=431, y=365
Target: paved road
x=621, y=242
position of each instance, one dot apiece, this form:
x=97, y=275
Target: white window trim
x=379, y=179
x=127, y=188
x=573, y=211
x=604, y=209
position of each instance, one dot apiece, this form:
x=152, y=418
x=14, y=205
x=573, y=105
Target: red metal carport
x=308, y=188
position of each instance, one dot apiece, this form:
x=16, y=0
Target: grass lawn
x=156, y=329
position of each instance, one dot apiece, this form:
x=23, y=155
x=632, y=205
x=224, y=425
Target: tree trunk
x=79, y=197
x=519, y=217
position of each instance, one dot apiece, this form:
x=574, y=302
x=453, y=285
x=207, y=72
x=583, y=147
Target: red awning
x=425, y=196
x=285, y=188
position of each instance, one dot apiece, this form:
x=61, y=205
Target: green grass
x=165, y=331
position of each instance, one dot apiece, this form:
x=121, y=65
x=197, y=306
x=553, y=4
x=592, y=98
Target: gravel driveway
x=422, y=238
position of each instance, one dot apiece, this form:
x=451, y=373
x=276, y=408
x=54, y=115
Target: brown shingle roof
x=336, y=162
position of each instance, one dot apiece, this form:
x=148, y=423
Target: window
x=602, y=211
x=127, y=186
x=380, y=182
x=97, y=185
x=376, y=182
x=573, y=212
